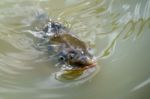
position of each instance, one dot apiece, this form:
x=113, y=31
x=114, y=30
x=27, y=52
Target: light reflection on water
x=117, y=30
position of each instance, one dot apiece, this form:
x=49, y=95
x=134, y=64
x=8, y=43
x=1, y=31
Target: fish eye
x=61, y=58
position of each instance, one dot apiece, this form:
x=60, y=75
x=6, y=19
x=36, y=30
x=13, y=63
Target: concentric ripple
x=25, y=68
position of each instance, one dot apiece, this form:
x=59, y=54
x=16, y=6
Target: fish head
x=76, y=58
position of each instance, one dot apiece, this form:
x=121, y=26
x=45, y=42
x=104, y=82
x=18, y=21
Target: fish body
x=69, y=49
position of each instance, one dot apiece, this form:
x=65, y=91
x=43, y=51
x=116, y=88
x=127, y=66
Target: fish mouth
x=89, y=65
x=72, y=72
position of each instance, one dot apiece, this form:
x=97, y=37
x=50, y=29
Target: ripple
x=57, y=83
x=141, y=85
x=26, y=70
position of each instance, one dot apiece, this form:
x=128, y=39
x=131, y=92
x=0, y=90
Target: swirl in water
x=71, y=53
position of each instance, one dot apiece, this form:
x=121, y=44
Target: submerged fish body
x=70, y=51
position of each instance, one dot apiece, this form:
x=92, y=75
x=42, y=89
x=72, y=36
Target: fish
x=72, y=53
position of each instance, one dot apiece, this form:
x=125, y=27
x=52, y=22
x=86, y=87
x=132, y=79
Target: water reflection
x=117, y=30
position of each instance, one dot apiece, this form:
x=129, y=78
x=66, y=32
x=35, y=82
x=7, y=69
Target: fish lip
x=82, y=68
x=90, y=66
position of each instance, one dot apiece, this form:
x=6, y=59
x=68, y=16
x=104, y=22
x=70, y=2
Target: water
x=117, y=31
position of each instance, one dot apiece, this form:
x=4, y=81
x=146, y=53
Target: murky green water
x=117, y=30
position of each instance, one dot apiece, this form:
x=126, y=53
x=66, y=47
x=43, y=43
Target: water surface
x=116, y=30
